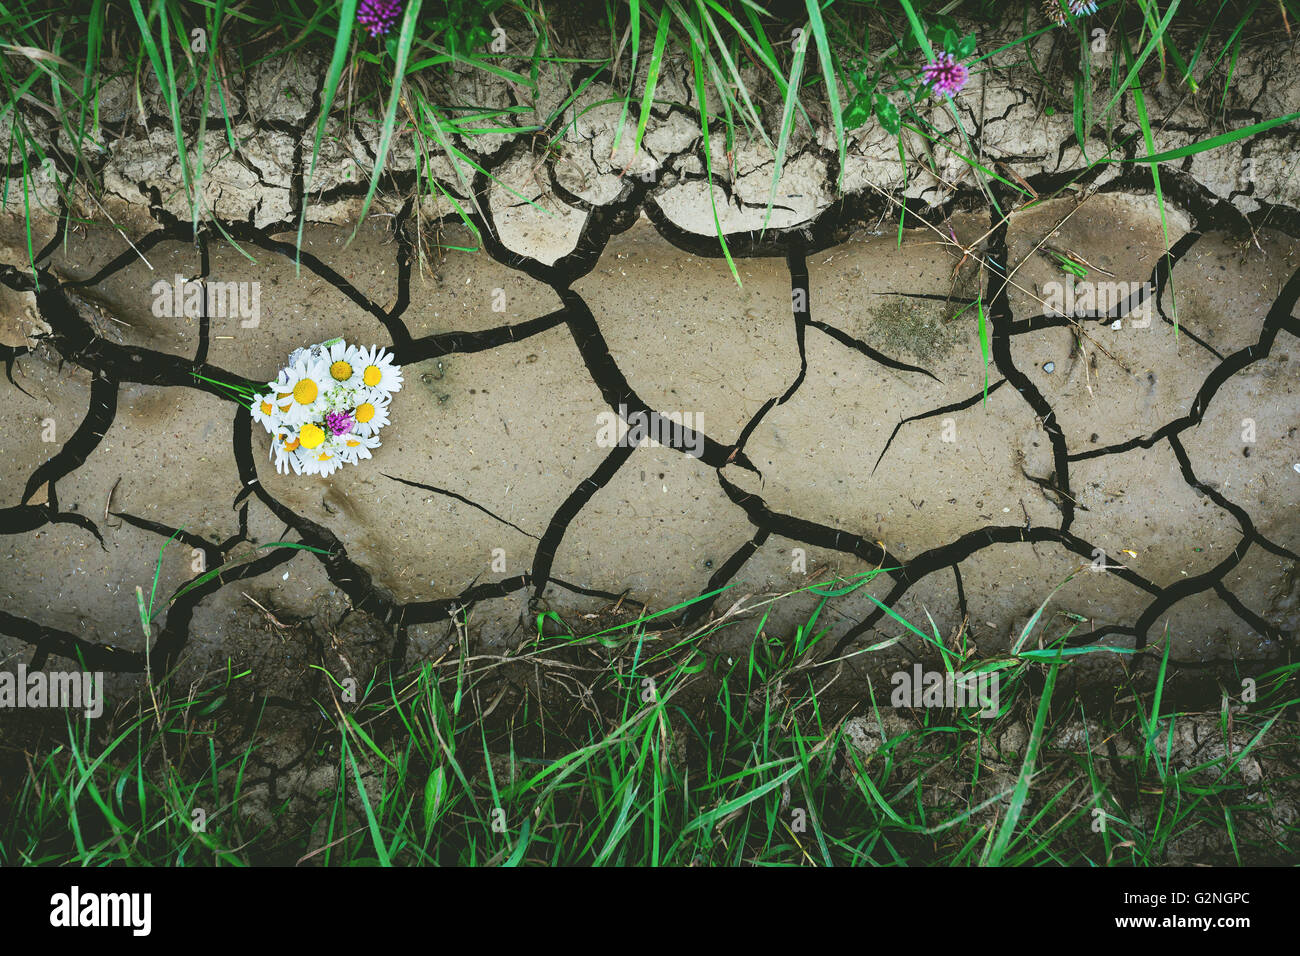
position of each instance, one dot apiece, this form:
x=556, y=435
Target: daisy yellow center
x=323, y=456
x=304, y=393
x=365, y=412
x=291, y=445
x=341, y=371
x=311, y=435
x=266, y=408
x=353, y=443
x=372, y=375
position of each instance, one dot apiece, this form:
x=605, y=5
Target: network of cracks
x=78, y=341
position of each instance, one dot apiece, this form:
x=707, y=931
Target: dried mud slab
x=835, y=412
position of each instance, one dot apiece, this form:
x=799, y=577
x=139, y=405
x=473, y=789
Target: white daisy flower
x=298, y=390
x=378, y=371
x=281, y=395
x=323, y=461
x=371, y=414
x=343, y=362
x=285, y=450
x=286, y=461
x=355, y=447
x=308, y=463
x=265, y=412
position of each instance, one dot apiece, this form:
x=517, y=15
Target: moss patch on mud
x=924, y=329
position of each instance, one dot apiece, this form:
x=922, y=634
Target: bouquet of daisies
x=326, y=407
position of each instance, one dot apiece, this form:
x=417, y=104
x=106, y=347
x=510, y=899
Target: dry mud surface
x=841, y=414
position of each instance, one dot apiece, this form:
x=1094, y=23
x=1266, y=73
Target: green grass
x=647, y=749
x=709, y=761
x=841, y=64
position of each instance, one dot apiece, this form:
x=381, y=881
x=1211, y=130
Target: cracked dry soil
x=844, y=415
x=840, y=430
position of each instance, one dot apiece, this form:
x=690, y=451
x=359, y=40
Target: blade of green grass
x=787, y=120
x=705, y=138
x=818, y=26
x=1017, y=806
x=404, y=40
x=1136, y=64
x=652, y=80
x=338, y=61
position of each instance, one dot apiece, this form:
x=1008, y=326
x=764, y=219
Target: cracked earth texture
x=837, y=400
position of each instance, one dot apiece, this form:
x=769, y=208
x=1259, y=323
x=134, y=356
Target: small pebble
x=1296, y=466
x=1049, y=367
x=1117, y=324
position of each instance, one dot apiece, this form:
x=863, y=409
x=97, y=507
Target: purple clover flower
x=945, y=74
x=378, y=16
x=338, y=422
